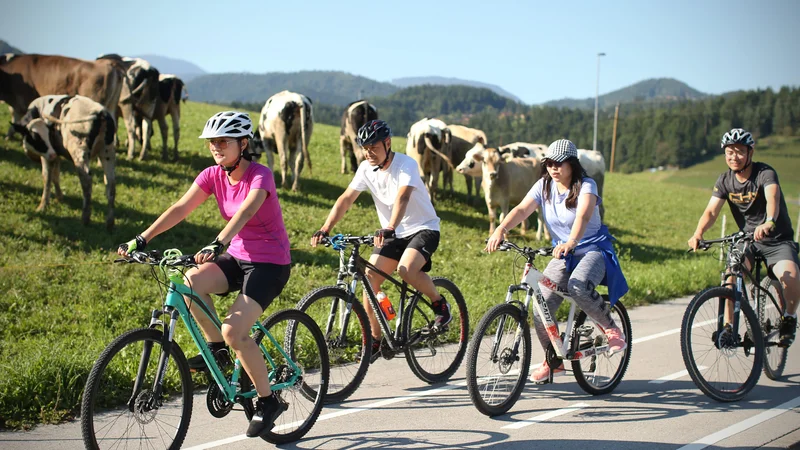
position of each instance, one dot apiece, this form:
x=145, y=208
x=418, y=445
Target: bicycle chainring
x=216, y=402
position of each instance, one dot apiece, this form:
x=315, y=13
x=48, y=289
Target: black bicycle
x=432, y=354
x=725, y=343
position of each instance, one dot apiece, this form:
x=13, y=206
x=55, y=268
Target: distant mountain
x=654, y=90
x=331, y=87
x=444, y=81
x=182, y=68
x=5, y=47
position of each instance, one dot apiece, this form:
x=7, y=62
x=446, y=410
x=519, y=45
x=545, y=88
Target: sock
x=790, y=315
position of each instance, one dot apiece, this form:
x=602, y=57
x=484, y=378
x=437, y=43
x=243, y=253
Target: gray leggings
x=581, y=285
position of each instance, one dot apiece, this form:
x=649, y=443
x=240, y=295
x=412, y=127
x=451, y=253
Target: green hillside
x=654, y=90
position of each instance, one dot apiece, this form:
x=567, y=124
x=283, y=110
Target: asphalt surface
x=393, y=409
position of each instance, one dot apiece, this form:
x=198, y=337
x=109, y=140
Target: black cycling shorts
x=774, y=252
x=426, y=241
x=260, y=281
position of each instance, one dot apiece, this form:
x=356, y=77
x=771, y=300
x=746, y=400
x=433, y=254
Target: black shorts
x=260, y=281
x=426, y=241
x=774, y=252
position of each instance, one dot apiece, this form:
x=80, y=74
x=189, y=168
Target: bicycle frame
x=355, y=268
x=174, y=306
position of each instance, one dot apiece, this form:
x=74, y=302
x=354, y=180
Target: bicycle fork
x=163, y=360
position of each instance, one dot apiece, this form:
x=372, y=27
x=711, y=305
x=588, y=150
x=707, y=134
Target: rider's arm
x=520, y=212
x=343, y=203
x=583, y=213
x=400, y=205
x=193, y=198
x=772, y=195
x=709, y=216
x=250, y=206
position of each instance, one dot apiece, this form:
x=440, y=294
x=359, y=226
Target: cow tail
x=303, y=135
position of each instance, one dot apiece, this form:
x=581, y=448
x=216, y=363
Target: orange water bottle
x=386, y=306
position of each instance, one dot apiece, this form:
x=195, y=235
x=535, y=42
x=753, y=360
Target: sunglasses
x=221, y=144
x=550, y=163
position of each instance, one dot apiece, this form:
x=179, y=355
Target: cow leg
x=468, y=180
x=448, y=178
x=130, y=125
x=82, y=167
x=282, y=153
x=298, y=166
x=46, y=180
x=17, y=116
x=162, y=125
x=176, y=131
x=343, y=152
x=147, y=124
x=108, y=160
x=55, y=169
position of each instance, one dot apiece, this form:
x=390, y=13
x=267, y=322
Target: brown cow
x=506, y=181
x=429, y=144
x=462, y=140
x=354, y=117
x=170, y=90
x=76, y=128
x=25, y=78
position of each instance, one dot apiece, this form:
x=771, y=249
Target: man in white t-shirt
x=406, y=214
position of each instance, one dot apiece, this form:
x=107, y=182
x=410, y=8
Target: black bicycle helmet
x=737, y=136
x=373, y=132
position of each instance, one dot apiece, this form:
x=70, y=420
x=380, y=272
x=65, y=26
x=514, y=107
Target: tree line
x=676, y=133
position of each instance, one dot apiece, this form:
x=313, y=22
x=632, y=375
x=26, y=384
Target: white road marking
x=424, y=393
x=674, y=376
x=737, y=428
x=546, y=416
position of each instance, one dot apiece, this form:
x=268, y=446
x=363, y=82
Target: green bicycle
x=140, y=391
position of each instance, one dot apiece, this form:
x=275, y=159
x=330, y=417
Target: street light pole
x=596, y=100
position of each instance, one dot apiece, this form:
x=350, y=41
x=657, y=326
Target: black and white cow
x=170, y=90
x=76, y=128
x=286, y=123
x=354, y=117
x=139, y=97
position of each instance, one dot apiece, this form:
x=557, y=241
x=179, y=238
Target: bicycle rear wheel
x=119, y=406
x=498, y=360
x=304, y=343
x=434, y=357
x=769, y=317
x=328, y=306
x=724, y=363
x=600, y=373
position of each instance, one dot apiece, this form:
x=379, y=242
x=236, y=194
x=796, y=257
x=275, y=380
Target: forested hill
x=654, y=90
x=330, y=87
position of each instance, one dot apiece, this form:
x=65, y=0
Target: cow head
x=470, y=166
x=36, y=139
x=492, y=160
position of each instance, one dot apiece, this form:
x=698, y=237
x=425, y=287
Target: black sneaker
x=223, y=357
x=442, y=317
x=376, y=350
x=788, y=327
x=267, y=411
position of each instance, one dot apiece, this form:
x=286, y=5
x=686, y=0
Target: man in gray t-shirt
x=758, y=206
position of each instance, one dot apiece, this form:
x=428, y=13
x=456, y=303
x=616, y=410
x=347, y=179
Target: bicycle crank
x=217, y=404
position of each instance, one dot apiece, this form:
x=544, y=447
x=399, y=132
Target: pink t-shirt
x=263, y=238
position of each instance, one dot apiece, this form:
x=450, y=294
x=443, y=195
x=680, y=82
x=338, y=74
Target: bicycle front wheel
x=347, y=334
x=769, y=317
x=600, y=373
x=498, y=360
x=725, y=363
x=435, y=356
x=120, y=407
x=299, y=338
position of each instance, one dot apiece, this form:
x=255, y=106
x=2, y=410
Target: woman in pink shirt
x=257, y=261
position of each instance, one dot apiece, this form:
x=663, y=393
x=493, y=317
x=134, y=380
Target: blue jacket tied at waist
x=614, y=278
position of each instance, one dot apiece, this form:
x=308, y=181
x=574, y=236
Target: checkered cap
x=561, y=150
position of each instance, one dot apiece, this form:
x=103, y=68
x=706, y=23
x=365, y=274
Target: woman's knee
x=582, y=289
x=234, y=336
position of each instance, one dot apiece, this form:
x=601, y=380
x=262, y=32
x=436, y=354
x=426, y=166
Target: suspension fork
x=144, y=360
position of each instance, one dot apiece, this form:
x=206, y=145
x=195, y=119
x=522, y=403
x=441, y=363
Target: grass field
x=65, y=300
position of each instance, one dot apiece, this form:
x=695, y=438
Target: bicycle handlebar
x=525, y=251
x=739, y=236
x=341, y=241
x=155, y=258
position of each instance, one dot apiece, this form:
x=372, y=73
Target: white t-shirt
x=384, y=186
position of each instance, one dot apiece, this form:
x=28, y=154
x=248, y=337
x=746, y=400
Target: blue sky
x=539, y=51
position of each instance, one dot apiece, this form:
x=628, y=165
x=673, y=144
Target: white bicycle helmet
x=737, y=136
x=228, y=124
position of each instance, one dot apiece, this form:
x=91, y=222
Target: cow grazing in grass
x=354, y=117
x=24, y=78
x=76, y=128
x=287, y=120
x=429, y=144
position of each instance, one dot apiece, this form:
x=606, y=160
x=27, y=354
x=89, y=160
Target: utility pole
x=596, y=100
x=614, y=138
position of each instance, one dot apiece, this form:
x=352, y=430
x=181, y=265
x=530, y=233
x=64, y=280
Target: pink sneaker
x=616, y=340
x=542, y=374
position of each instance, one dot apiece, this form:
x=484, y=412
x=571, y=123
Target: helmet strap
x=748, y=163
x=385, y=160
x=235, y=165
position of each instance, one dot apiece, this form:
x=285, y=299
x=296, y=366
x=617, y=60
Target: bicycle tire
x=769, y=319
x=349, y=360
x=288, y=323
x=711, y=342
x=593, y=381
x=483, y=389
x=114, y=396
x=420, y=347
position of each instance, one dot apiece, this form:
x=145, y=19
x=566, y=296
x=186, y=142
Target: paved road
x=393, y=409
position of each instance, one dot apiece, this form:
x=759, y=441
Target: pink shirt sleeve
x=204, y=181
